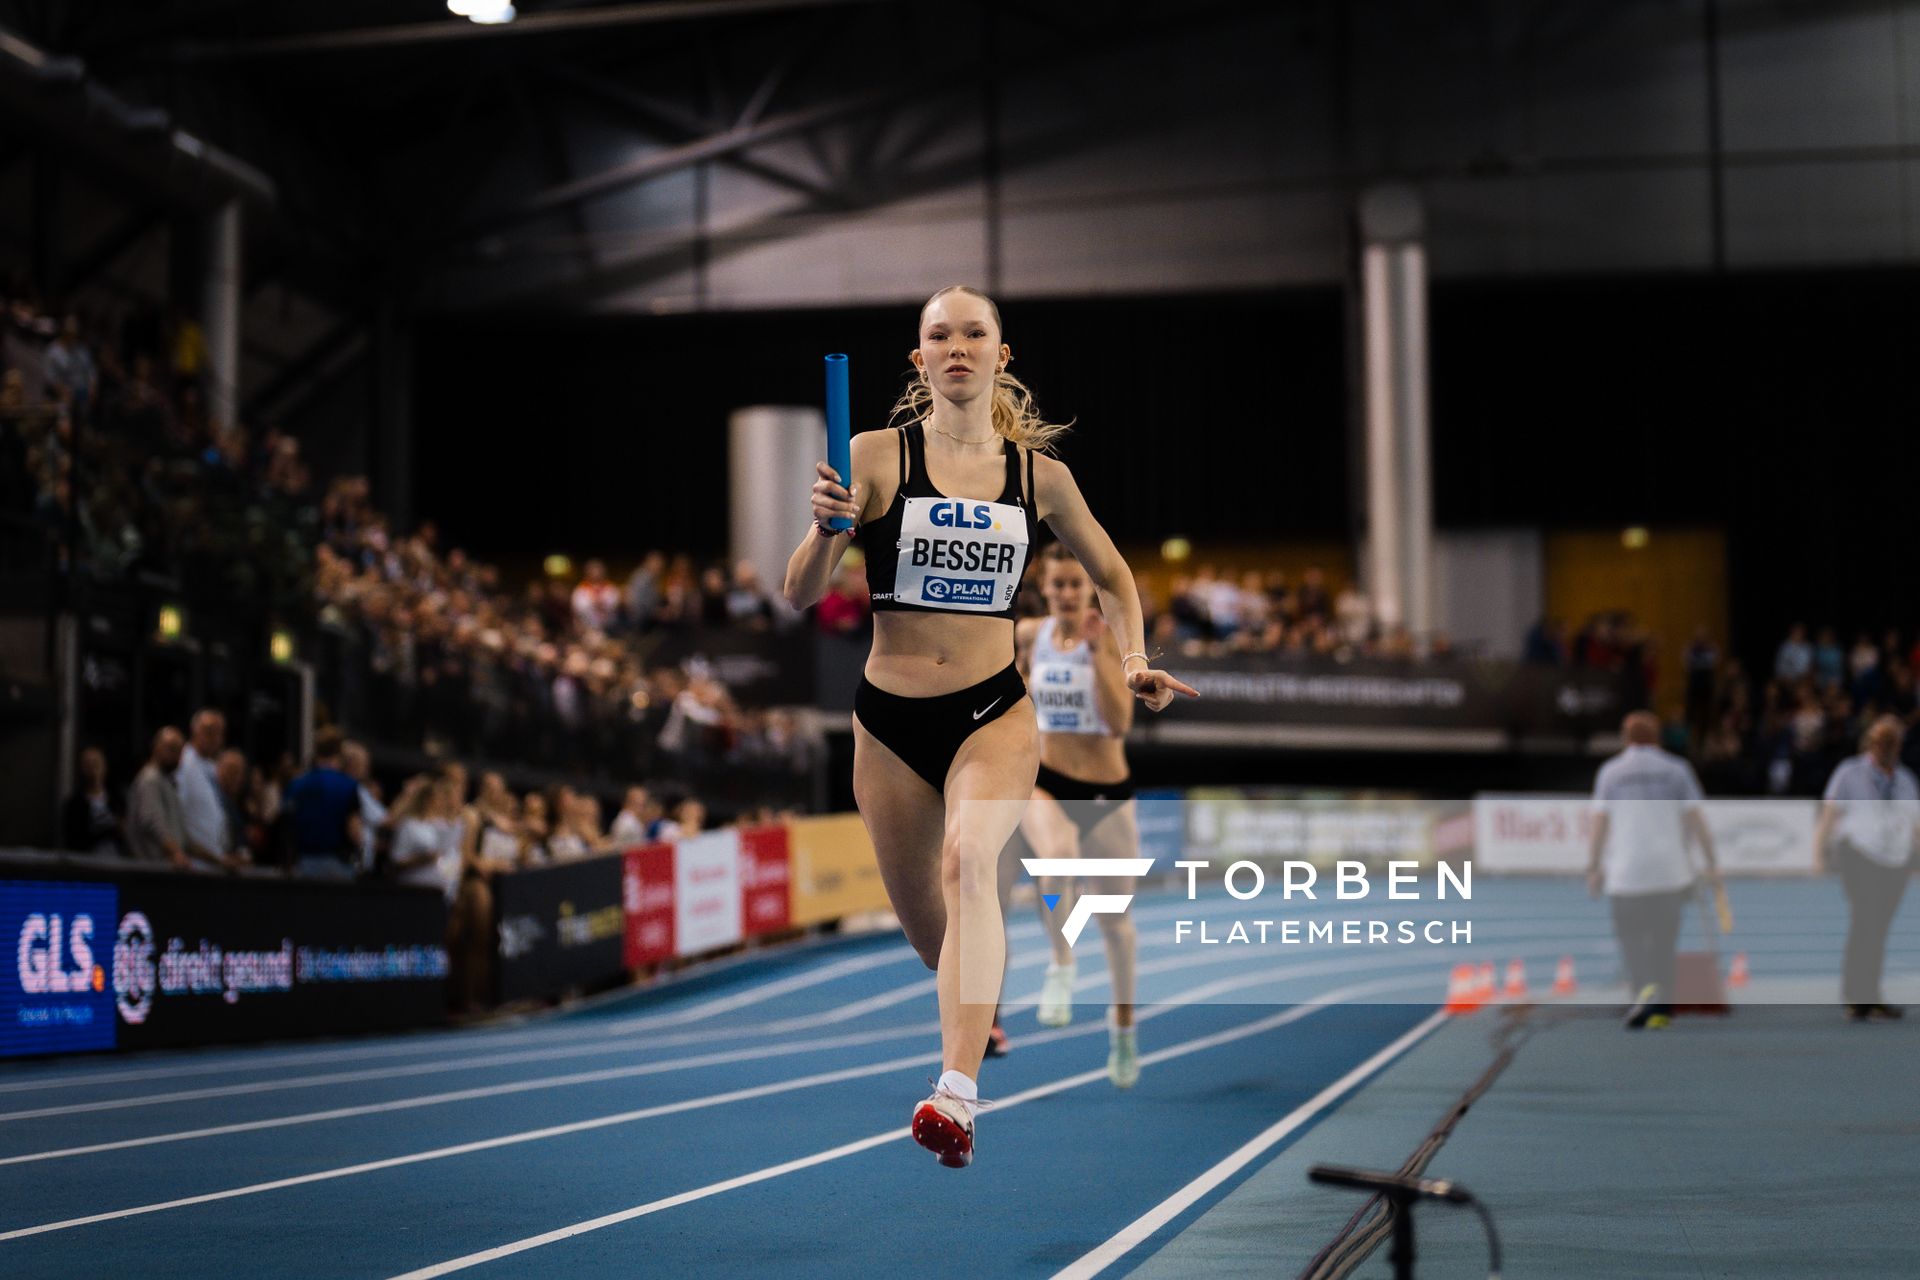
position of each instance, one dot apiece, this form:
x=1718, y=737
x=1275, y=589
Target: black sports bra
x=936, y=554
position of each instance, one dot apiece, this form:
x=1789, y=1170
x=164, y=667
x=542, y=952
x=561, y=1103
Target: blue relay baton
x=839, y=431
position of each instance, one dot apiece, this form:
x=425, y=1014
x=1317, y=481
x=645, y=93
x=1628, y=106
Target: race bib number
x=961, y=556
x=1062, y=694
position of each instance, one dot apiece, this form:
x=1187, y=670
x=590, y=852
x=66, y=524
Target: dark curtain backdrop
x=1784, y=407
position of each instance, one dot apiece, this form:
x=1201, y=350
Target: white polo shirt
x=1645, y=794
x=200, y=807
x=1877, y=811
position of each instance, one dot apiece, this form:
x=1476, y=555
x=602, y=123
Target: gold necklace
x=961, y=439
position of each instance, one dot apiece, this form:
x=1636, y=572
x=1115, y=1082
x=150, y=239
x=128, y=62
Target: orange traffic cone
x=1516, y=988
x=1738, y=975
x=1563, y=984
x=1484, y=987
x=1461, y=994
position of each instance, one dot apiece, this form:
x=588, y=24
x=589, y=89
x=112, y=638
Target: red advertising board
x=764, y=876
x=648, y=896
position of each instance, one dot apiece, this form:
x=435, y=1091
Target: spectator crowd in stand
x=1267, y=612
x=198, y=805
x=1779, y=733
x=106, y=443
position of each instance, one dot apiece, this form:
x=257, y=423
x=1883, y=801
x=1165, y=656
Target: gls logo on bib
x=942, y=539
x=959, y=515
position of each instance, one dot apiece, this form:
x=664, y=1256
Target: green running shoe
x=1123, y=1057
x=1056, y=996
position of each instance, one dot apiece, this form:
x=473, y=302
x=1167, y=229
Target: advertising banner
x=1553, y=834
x=647, y=894
x=1323, y=827
x=706, y=892
x=834, y=871
x=169, y=959
x=764, y=881
x=560, y=928
x=56, y=989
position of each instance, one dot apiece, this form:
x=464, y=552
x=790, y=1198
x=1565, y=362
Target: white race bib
x=959, y=555
x=1062, y=694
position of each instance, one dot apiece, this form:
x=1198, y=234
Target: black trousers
x=1648, y=926
x=1874, y=891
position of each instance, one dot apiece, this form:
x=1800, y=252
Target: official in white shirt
x=1646, y=808
x=1869, y=830
x=209, y=842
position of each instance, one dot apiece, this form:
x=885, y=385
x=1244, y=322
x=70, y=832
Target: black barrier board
x=195, y=959
x=1456, y=694
x=560, y=928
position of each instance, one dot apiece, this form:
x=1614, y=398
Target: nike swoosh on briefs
x=990, y=706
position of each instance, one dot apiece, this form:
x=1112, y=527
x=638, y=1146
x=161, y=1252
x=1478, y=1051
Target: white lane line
x=1753, y=903
x=488, y=1091
x=578, y=1126
x=640, y=1040
x=624, y=1044
x=1141, y=1228
x=853, y=1148
x=440, y=1041
x=536, y=1135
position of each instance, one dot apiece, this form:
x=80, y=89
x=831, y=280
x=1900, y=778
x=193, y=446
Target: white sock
x=1114, y=1029
x=961, y=1085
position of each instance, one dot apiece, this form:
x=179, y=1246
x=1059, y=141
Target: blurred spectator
x=208, y=839
x=1795, y=657
x=376, y=823
x=1355, y=614
x=846, y=607
x=230, y=776
x=323, y=811
x=689, y=819
x=748, y=604
x=1312, y=600
x=425, y=850
x=713, y=597
x=596, y=601
x=1829, y=663
x=1703, y=666
x=643, y=590
x=156, y=830
x=630, y=824
x=499, y=844
x=536, y=829
x=69, y=368
x=91, y=820
x=1864, y=667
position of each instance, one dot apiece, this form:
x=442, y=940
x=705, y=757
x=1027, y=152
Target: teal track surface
x=751, y=1119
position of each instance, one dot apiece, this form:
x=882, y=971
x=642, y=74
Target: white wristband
x=1143, y=657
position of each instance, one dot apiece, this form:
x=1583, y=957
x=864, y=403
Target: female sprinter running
x=945, y=751
x=1083, y=797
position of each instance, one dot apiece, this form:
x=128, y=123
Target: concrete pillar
x=220, y=313
x=771, y=450
x=1397, y=549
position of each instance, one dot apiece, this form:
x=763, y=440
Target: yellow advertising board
x=834, y=871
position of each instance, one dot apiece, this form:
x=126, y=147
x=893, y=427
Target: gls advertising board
x=56, y=989
x=146, y=960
